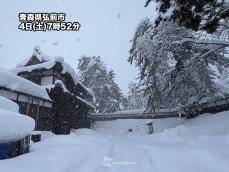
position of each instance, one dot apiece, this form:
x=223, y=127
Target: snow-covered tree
x=173, y=74
x=95, y=75
x=136, y=98
x=211, y=16
x=194, y=14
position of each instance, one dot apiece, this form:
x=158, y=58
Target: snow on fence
x=133, y=115
x=213, y=106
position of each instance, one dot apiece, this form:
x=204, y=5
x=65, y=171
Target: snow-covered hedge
x=14, y=126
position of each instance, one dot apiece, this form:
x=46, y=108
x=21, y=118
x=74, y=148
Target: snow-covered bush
x=14, y=126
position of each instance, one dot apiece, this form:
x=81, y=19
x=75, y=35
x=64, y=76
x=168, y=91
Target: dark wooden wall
x=43, y=119
x=69, y=112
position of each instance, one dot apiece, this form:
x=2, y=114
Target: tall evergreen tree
x=94, y=75
x=136, y=98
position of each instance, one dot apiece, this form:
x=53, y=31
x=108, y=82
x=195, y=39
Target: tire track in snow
x=94, y=163
x=128, y=156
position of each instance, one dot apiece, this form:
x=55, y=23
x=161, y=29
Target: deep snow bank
x=14, y=126
x=198, y=145
x=206, y=124
x=211, y=124
x=122, y=126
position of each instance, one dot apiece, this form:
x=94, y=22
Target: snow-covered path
x=196, y=145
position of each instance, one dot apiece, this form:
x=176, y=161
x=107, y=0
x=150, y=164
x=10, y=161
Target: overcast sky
x=107, y=28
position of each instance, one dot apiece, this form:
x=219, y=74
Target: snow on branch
x=224, y=24
x=214, y=42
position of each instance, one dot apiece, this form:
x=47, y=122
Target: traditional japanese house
x=70, y=98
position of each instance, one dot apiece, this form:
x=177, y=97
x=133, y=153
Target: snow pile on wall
x=7, y=104
x=16, y=83
x=207, y=124
x=14, y=126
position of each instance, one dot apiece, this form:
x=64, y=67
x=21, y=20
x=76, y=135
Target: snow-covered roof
x=14, y=126
x=16, y=83
x=48, y=65
x=45, y=65
x=40, y=55
x=49, y=87
x=7, y=104
x=86, y=102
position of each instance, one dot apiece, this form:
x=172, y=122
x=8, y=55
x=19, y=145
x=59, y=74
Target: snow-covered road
x=197, y=145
